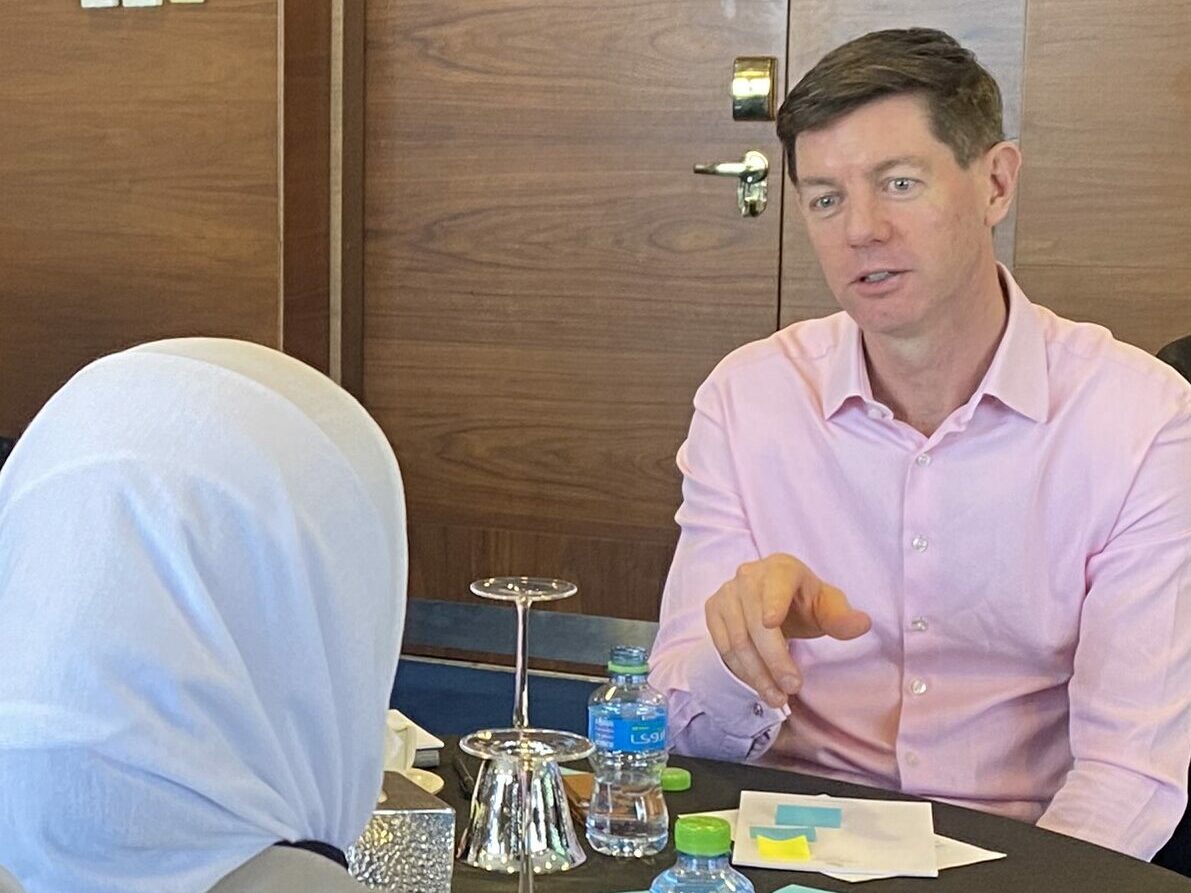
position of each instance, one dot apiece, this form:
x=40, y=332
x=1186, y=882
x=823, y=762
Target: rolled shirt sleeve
x=712, y=713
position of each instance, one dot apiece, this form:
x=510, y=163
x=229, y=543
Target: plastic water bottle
x=703, y=844
x=626, y=719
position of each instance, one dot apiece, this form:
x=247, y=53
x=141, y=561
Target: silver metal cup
x=406, y=847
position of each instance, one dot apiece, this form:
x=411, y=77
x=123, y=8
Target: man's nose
x=867, y=221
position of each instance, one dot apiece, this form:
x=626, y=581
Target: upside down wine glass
x=519, y=815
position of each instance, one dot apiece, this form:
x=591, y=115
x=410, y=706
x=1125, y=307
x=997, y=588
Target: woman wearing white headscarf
x=202, y=590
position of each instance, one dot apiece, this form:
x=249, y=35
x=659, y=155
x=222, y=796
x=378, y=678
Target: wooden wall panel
x=993, y=29
x=306, y=173
x=1106, y=190
x=451, y=556
x=140, y=176
x=138, y=152
x=546, y=281
x=347, y=195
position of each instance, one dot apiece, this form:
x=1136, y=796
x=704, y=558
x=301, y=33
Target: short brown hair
x=962, y=98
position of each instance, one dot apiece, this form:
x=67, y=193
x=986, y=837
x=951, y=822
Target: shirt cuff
x=728, y=715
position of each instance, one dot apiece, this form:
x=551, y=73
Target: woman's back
x=202, y=575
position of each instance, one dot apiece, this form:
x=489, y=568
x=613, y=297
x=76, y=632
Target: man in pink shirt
x=939, y=542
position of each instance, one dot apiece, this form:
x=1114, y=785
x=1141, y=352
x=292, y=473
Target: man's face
x=901, y=231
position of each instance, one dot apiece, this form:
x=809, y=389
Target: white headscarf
x=202, y=590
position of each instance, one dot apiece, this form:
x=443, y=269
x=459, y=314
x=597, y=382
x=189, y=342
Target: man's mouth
x=878, y=276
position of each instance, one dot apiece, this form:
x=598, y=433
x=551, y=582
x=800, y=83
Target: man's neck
x=925, y=378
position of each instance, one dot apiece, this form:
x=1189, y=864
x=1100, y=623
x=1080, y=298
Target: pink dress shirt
x=1027, y=569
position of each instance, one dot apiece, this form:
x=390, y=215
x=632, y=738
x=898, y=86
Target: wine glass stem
x=521, y=705
x=526, y=884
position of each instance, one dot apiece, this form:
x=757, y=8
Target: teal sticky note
x=798, y=888
x=783, y=832
x=815, y=816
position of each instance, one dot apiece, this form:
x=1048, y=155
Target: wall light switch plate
x=142, y=2
x=99, y=4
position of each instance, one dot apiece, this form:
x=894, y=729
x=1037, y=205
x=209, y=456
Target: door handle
x=751, y=173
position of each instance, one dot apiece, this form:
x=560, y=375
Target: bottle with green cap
x=703, y=844
x=626, y=720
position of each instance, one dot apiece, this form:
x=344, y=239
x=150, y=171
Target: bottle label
x=615, y=733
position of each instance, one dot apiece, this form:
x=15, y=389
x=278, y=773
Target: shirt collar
x=845, y=375
x=1017, y=376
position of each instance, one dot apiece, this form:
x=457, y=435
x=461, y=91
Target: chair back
x=9, y=884
x=287, y=870
x=1178, y=354
x=1176, y=854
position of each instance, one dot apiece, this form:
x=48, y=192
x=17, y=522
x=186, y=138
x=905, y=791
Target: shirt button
x=918, y=687
x=919, y=543
x=919, y=625
x=874, y=413
x=923, y=459
x=911, y=758
x=758, y=710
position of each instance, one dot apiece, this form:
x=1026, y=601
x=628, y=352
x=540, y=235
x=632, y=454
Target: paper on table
x=950, y=853
x=874, y=837
x=426, y=746
x=426, y=741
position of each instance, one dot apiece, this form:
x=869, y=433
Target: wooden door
x=163, y=172
x=546, y=281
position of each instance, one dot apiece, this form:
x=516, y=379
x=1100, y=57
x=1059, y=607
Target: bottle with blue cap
x=626, y=720
x=703, y=844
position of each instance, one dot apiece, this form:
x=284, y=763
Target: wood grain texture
x=993, y=29
x=347, y=198
x=306, y=173
x=1106, y=196
x=1145, y=307
x=452, y=556
x=140, y=166
x=546, y=281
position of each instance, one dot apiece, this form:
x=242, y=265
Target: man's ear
x=1002, y=164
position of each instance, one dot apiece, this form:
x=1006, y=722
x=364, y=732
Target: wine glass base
x=528, y=589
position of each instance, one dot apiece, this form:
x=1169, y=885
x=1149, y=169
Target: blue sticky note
x=784, y=832
x=815, y=816
x=798, y=888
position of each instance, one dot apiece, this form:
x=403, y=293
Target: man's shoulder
x=1085, y=356
x=797, y=350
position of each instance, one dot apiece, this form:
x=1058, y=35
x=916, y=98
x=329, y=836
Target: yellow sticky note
x=796, y=849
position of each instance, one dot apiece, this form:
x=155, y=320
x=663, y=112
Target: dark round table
x=1036, y=860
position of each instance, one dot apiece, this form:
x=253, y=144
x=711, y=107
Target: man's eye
x=823, y=203
x=901, y=184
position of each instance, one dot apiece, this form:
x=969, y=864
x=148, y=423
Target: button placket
x=920, y=581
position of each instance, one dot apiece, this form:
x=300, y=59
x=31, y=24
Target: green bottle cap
x=628, y=660
x=701, y=835
x=675, y=778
